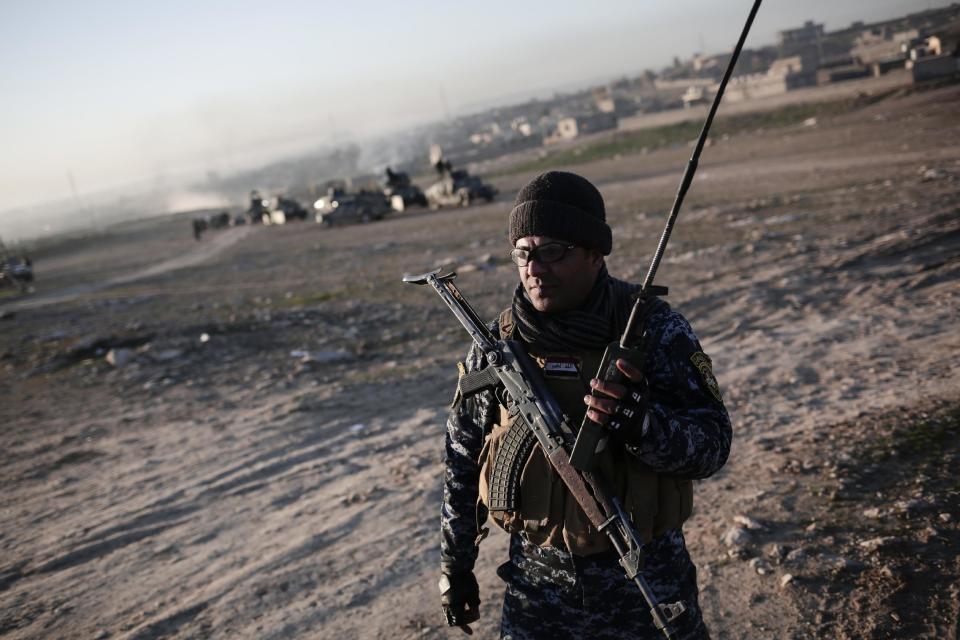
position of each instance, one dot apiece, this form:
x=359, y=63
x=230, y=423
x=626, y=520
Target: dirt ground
x=262, y=459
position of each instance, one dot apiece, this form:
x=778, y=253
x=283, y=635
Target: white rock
x=167, y=354
x=747, y=522
x=760, y=566
x=120, y=357
x=875, y=543
x=777, y=552
x=872, y=512
x=909, y=507
x=785, y=579
x=336, y=355
x=736, y=537
x=838, y=563
x=797, y=556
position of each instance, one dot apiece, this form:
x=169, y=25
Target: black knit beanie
x=564, y=206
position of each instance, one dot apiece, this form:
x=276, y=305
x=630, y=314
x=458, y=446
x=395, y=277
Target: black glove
x=460, y=599
x=627, y=422
x=620, y=406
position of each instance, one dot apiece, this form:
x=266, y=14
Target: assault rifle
x=538, y=419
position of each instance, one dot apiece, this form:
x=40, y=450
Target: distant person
x=199, y=226
x=392, y=177
x=443, y=167
x=256, y=203
x=668, y=426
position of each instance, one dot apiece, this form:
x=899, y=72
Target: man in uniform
x=667, y=427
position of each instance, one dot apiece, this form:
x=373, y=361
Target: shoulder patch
x=704, y=365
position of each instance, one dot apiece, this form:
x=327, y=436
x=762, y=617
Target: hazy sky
x=113, y=91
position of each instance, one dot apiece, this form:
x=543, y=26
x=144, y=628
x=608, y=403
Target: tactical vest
x=549, y=516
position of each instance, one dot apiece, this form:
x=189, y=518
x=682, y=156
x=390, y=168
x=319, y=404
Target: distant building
x=813, y=44
x=604, y=100
x=481, y=138
x=662, y=84
x=574, y=126
x=886, y=66
x=784, y=67
x=842, y=73
x=711, y=65
x=809, y=33
x=490, y=133
x=880, y=45
x=522, y=127
x=619, y=103
x=694, y=96
x=944, y=39
x=785, y=74
x=937, y=56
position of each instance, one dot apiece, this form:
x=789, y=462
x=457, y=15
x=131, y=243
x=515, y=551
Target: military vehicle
x=457, y=188
x=292, y=209
x=214, y=221
x=341, y=207
x=402, y=193
x=15, y=270
x=283, y=211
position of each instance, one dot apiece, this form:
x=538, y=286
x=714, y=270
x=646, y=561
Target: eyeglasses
x=544, y=254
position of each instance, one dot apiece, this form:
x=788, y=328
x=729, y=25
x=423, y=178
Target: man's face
x=558, y=286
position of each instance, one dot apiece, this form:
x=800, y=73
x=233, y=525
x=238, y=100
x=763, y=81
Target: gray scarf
x=597, y=322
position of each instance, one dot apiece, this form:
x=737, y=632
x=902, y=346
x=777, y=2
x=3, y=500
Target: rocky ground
x=242, y=437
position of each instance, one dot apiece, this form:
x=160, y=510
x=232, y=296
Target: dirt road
x=191, y=257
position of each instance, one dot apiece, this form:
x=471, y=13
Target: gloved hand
x=624, y=409
x=460, y=599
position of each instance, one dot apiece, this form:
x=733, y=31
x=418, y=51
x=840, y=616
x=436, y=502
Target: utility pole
x=81, y=211
x=334, y=135
x=443, y=102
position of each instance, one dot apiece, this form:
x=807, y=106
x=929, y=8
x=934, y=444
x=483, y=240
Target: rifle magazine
x=508, y=462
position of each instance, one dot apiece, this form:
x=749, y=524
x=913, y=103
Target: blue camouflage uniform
x=552, y=593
